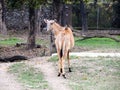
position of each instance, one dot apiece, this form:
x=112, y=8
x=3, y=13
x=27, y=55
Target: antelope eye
x=51, y=23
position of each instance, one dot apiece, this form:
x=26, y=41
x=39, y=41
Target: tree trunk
x=38, y=21
x=84, y=16
x=62, y=18
x=67, y=18
x=0, y=16
x=98, y=16
x=51, y=44
x=57, y=10
x=3, y=28
x=32, y=29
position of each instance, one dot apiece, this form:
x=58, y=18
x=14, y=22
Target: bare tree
x=32, y=29
x=3, y=28
x=0, y=16
x=84, y=16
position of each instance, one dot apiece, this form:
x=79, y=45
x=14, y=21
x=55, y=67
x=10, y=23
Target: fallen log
x=13, y=58
x=23, y=44
x=112, y=34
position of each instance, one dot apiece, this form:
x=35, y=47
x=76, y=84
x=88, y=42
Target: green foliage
x=116, y=16
x=29, y=76
x=35, y=3
x=20, y=3
x=15, y=3
x=104, y=14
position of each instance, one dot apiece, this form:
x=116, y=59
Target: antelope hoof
x=59, y=74
x=64, y=76
x=70, y=70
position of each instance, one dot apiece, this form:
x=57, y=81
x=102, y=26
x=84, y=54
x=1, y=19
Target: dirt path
x=7, y=81
x=55, y=82
x=93, y=54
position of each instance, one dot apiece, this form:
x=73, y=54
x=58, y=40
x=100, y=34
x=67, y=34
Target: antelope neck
x=56, y=28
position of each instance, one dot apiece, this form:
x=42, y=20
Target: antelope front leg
x=63, y=69
x=59, y=62
x=59, y=67
x=68, y=57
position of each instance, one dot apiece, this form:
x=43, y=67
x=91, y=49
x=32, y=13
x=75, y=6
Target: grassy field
x=91, y=44
x=96, y=74
x=10, y=41
x=29, y=76
x=97, y=43
x=101, y=73
x=55, y=58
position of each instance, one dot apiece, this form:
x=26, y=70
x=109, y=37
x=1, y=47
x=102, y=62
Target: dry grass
x=29, y=76
x=100, y=73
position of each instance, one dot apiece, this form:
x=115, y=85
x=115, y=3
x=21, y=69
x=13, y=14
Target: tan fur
x=64, y=41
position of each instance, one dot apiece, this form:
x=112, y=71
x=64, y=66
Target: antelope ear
x=52, y=21
x=55, y=20
x=45, y=20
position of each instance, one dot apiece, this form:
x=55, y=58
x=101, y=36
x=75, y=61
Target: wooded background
x=80, y=14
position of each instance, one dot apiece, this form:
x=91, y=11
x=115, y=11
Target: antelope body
x=64, y=41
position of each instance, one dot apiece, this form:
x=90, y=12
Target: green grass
x=29, y=76
x=97, y=43
x=118, y=36
x=10, y=41
x=55, y=58
x=42, y=42
x=92, y=43
x=13, y=40
x=101, y=73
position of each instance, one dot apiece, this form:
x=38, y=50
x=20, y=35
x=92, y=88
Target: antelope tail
x=61, y=53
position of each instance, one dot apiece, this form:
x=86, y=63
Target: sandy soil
x=8, y=81
x=48, y=69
